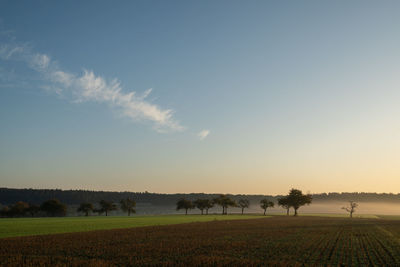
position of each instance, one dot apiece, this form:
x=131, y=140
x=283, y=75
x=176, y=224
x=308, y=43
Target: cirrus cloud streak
x=91, y=87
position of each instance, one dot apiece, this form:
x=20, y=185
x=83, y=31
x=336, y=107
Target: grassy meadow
x=10, y=227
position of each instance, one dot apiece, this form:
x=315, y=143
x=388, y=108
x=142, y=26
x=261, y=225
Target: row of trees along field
x=295, y=199
x=54, y=207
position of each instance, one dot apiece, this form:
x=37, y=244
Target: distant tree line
x=54, y=207
x=76, y=197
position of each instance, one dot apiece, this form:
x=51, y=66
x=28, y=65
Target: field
x=10, y=227
x=278, y=241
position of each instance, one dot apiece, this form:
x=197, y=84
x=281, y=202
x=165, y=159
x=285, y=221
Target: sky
x=242, y=97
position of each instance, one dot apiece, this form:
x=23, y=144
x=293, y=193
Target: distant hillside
x=73, y=197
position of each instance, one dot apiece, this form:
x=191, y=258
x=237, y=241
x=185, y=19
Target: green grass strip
x=12, y=227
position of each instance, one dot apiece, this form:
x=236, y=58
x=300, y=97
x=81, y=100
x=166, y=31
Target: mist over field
x=374, y=208
x=323, y=207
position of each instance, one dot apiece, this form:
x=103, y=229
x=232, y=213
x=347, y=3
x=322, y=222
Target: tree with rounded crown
x=225, y=202
x=243, y=203
x=85, y=208
x=106, y=206
x=19, y=208
x=54, y=207
x=296, y=199
x=203, y=204
x=284, y=203
x=128, y=205
x=184, y=204
x=33, y=209
x=265, y=204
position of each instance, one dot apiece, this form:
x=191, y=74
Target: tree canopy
x=265, y=204
x=85, y=208
x=284, y=203
x=184, y=204
x=106, y=206
x=203, y=204
x=128, y=205
x=243, y=203
x=225, y=202
x=54, y=207
x=296, y=199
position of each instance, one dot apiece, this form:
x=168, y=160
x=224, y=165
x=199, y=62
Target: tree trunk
x=87, y=213
x=186, y=211
x=351, y=214
x=265, y=211
x=242, y=210
x=201, y=212
x=206, y=211
x=295, y=212
x=106, y=213
x=287, y=211
x=129, y=213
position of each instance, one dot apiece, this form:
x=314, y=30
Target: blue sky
x=254, y=97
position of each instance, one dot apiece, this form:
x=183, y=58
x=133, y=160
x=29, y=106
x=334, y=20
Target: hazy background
x=364, y=209
x=254, y=97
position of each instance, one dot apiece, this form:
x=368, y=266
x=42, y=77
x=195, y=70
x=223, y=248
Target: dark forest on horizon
x=74, y=197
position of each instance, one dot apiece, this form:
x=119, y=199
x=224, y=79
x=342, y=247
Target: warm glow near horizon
x=250, y=99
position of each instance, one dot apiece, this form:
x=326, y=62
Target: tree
x=4, y=212
x=225, y=202
x=296, y=199
x=265, y=204
x=208, y=205
x=85, y=208
x=106, y=206
x=33, y=209
x=284, y=203
x=19, y=209
x=200, y=204
x=54, y=207
x=128, y=205
x=203, y=204
x=243, y=203
x=351, y=208
x=184, y=204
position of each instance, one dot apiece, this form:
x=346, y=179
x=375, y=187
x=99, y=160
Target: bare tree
x=351, y=208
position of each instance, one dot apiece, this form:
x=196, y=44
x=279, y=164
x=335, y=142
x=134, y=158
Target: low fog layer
x=376, y=208
x=364, y=208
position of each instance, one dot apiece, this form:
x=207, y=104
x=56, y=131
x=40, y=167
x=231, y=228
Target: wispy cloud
x=203, y=134
x=91, y=87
